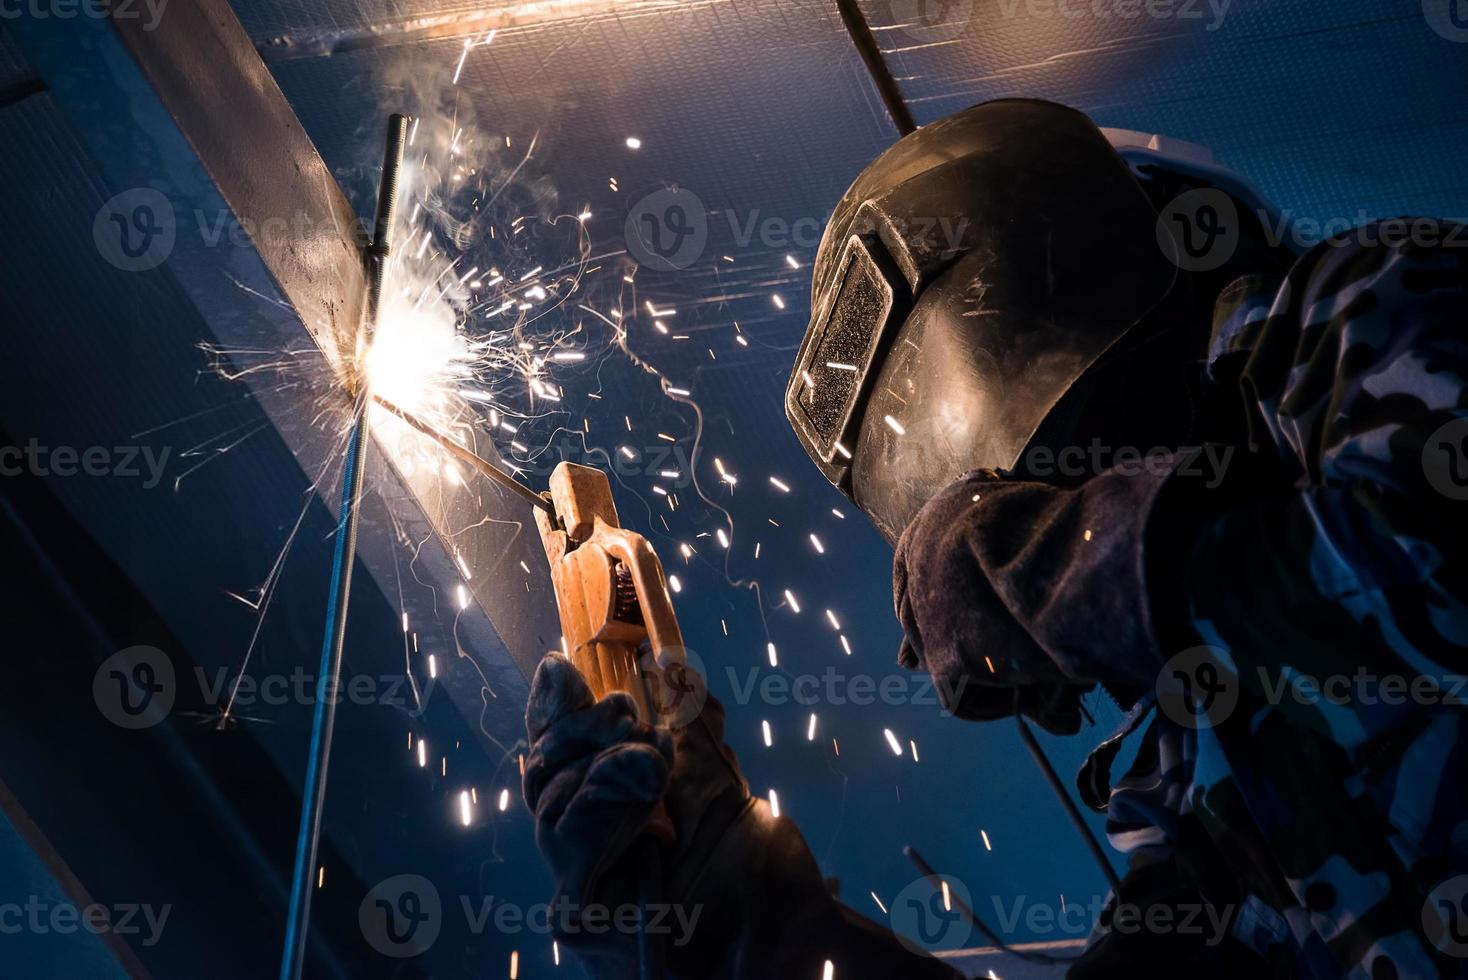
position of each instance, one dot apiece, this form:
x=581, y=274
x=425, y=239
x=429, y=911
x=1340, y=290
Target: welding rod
x=328, y=677
x=481, y=465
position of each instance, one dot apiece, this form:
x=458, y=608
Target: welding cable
x=328, y=678
x=871, y=56
x=957, y=902
x=1071, y=810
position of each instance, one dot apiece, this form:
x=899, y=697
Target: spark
x=463, y=597
x=680, y=392
x=514, y=964
x=422, y=753
x=892, y=741
x=894, y=425
x=879, y=903
x=432, y=667
x=633, y=143
x=829, y=971
x=947, y=897
x=774, y=805
x=774, y=656
x=790, y=261
x=835, y=623
x=504, y=803
x=838, y=366
x=723, y=539
x=768, y=736
x=780, y=484
x=556, y=951
x=779, y=303
x=790, y=598
x=842, y=449
x=838, y=513
x=816, y=543
x=810, y=730
x=459, y=68
x=913, y=746
x=673, y=582
x=846, y=645
x=466, y=815
x=1087, y=535
x=985, y=834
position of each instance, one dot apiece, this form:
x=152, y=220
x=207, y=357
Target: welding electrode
x=480, y=465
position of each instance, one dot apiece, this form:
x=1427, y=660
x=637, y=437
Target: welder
x=1124, y=432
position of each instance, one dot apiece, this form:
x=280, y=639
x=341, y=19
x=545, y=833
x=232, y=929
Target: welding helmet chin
x=965, y=284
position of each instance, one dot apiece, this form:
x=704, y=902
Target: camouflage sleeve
x=1354, y=561
x=1327, y=576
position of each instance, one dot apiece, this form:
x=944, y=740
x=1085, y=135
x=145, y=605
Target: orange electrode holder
x=610, y=589
x=616, y=614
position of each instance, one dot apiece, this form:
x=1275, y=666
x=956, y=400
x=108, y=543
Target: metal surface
x=1307, y=100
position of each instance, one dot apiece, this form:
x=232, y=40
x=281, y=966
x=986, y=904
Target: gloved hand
x=957, y=626
x=745, y=898
x=1020, y=595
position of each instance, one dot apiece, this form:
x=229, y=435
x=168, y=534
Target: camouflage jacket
x=1308, y=726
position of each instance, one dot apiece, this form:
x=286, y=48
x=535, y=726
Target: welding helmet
x=966, y=283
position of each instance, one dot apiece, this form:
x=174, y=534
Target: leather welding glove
x=744, y=898
x=1021, y=595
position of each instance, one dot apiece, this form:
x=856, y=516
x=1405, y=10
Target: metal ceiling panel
x=1310, y=101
